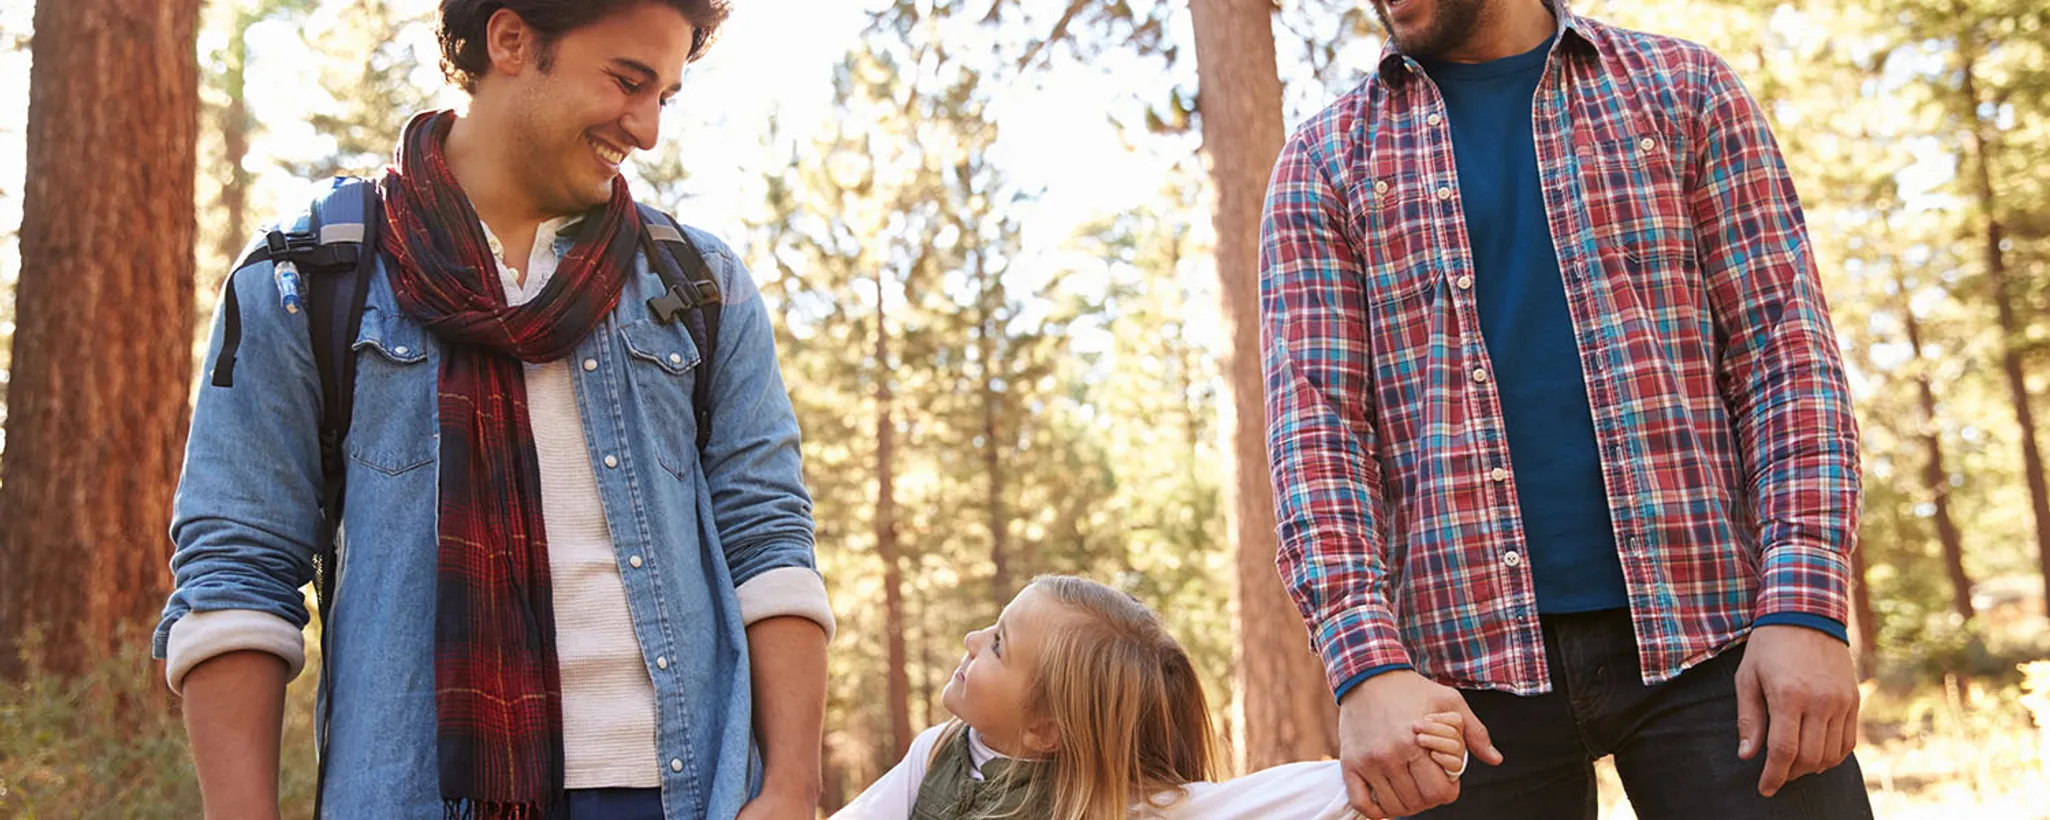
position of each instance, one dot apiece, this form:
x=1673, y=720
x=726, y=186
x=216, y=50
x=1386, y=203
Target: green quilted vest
x=951, y=792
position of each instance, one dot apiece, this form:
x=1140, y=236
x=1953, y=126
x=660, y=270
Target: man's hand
x=1798, y=685
x=1387, y=773
x=786, y=804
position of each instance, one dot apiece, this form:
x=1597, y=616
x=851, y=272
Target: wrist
x=792, y=781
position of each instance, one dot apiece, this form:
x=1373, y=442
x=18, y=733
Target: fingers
x=1453, y=763
x=1477, y=736
x=1750, y=711
x=1833, y=744
x=1356, y=794
x=1434, y=781
x=1444, y=745
x=1384, y=795
x=1814, y=736
x=1454, y=720
x=1435, y=728
x=1782, y=748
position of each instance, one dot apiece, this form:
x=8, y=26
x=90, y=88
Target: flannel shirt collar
x=1395, y=64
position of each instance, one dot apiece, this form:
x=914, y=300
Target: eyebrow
x=647, y=73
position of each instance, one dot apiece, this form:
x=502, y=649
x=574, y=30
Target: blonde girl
x=1078, y=705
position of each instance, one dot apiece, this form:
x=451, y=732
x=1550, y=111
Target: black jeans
x=1675, y=743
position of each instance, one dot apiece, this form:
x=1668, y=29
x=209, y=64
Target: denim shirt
x=686, y=532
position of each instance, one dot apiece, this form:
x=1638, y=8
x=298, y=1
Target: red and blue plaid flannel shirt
x=1718, y=394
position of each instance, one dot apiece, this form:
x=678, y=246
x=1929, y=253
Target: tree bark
x=1000, y=590
x=2010, y=326
x=1285, y=710
x=1864, y=622
x=886, y=542
x=103, y=347
x=235, y=138
x=1935, y=476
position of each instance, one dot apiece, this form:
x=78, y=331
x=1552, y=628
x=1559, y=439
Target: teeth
x=610, y=155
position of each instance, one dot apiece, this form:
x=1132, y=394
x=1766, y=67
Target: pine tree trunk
x=2010, y=325
x=886, y=543
x=1284, y=707
x=1935, y=476
x=1000, y=582
x=103, y=347
x=1864, y=623
x=235, y=140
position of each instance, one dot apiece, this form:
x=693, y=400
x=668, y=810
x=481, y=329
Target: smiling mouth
x=607, y=153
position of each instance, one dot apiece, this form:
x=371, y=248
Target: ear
x=513, y=45
x=1041, y=738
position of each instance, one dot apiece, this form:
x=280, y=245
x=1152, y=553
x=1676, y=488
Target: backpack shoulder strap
x=690, y=295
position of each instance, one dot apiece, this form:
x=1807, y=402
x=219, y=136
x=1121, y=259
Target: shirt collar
x=1393, y=62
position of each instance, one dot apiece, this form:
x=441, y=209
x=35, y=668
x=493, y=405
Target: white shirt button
x=1381, y=186
x=1464, y=282
x=590, y=365
x=676, y=764
x=1498, y=474
x=1514, y=559
x=612, y=461
x=401, y=350
x=1480, y=376
x=661, y=662
x=1444, y=193
x=1647, y=143
x=676, y=358
x=634, y=561
x=1433, y=120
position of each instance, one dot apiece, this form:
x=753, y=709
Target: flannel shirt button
x=1636, y=542
x=1514, y=559
x=1381, y=186
x=662, y=662
x=1444, y=192
x=590, y=365
x=1433, y=120
x=634, y=561
x=676, y=764
x=1480, y=376
x=1464, y=282
x=612, y=461
x=1498, y=474
x=1647, y=143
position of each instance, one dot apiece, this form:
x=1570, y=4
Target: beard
x=1451, y=24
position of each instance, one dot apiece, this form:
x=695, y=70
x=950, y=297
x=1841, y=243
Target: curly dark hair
x=465, y=56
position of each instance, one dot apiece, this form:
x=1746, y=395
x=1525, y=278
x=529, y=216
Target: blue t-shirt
x=1521, y=299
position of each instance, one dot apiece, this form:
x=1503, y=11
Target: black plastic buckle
x=283, y=245
x=672, y=304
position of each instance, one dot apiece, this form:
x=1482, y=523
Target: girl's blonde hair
x=1130, y=714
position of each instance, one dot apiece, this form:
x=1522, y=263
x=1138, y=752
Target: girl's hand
x=1443, y=734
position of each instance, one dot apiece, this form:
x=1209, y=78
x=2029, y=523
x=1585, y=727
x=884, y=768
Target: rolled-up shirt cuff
x=202, y=636
x=784, y=591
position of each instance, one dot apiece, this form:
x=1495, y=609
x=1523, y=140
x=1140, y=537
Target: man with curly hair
x=569, y=585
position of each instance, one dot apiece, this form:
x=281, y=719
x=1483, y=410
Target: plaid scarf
x=497, y=694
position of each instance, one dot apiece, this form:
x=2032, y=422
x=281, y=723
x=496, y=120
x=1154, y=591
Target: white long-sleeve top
x=1296, y=791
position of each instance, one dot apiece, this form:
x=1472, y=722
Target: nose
x=643, y=122
x=975, y=640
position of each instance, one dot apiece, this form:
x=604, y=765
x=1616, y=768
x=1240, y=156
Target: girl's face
x=990, y=689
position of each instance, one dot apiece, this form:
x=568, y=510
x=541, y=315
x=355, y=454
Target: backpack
x=324, y=266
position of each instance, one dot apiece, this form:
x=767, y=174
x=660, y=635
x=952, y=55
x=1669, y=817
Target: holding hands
x=1403, y=742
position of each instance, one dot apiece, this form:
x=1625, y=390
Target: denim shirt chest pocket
x=396, y=377
x=662, y=368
